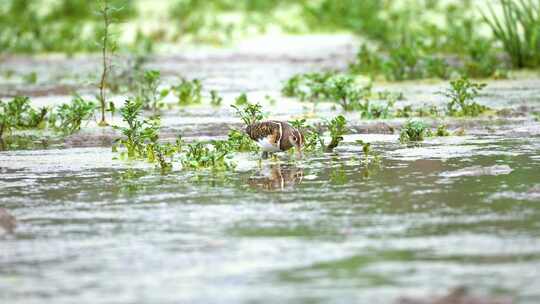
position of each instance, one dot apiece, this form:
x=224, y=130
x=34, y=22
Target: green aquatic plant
x=188, y=92
x=240, y=142
x=148, y=90
x=30, y=78
x=337, y=127
x=215, y=156
x=370, y=157
x=163, y=153
x=313, y=141
x=215, y=99
x=462, y=93
x=414, y=131
x=518, y=29
x=19, y=114
x=307, y=87
x=343, y=90
x=313, y=135
x=138, y=132
x=241, y=100
x=369, y=110
x=249, y=112
x=442, y=130
x=424, y=111
x=107, y=47
x=67, y=118
x=315, y=87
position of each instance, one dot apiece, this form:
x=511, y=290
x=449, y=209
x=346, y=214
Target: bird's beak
x=299, y=153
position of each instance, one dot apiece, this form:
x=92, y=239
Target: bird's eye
x=294, y=138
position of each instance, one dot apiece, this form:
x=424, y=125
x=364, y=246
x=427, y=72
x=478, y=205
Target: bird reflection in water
x=277, y=177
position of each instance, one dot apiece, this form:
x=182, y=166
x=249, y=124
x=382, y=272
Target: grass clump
x=414, y=131
x=518, y=29
x=462, y=93
x=67, y=118
x=188, y=92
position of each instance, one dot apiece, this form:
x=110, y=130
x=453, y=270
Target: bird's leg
x=264, y=155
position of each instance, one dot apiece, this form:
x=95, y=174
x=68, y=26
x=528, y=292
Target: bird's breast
x=268, y=145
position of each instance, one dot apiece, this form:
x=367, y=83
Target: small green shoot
x=462, y=93
x=442, y=130
x=215, y=156
x=148, y=90
x=249, y=112
x=215, y=99
x=414, y=131
x=241, y=100
x=188, y=92
x=138, y=132
x=67, y=118
x=19, y=114
x=337, y=127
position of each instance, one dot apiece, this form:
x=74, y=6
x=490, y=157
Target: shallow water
x=325, y=229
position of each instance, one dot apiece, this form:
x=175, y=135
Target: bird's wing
x=266, y=129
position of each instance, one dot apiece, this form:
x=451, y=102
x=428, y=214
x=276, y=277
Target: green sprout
x=249, y=113
x=215, y=156
x=241, y=100
x=215, y=99
x=442, y=130
x=19, y=114
x=148, y=90
x=188, y=92
x=462, y=93
x=67, y=118
x=414, y=131
x=138, y=132
x=337, y=127
x=240, y=142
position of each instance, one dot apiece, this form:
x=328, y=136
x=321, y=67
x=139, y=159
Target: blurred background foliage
x=414, y=35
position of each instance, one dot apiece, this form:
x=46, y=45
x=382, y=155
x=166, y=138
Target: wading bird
x=275, y=136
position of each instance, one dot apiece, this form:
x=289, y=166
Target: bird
x=275, y=136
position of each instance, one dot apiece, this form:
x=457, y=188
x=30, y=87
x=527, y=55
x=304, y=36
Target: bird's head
x=297, y=140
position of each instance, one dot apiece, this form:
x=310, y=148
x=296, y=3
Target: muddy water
x=450, y=212
x=457, y=211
